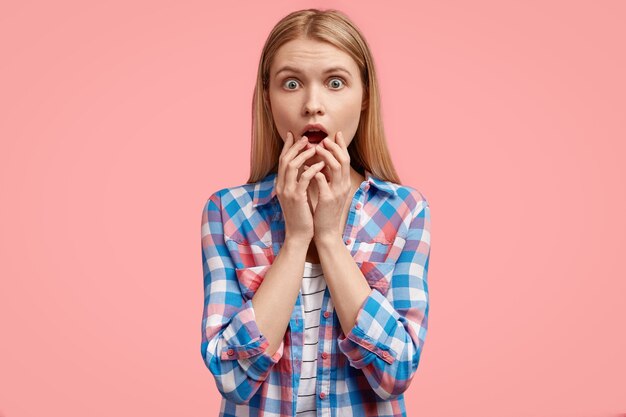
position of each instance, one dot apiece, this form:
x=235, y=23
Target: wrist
x=328, y=239
x=297, y=243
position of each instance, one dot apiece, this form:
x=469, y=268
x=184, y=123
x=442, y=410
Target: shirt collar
x=265, y=189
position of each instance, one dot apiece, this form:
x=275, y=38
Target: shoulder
x=238, y=210
x=413, y=197
x=232, y=199
x=402, y=197
x=413, y=208
x=394, y=206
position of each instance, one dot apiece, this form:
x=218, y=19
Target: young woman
x=315, y=270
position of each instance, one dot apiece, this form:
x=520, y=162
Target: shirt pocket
x=373, y=251
x=251, y=260
x=247, y=254
x=377, y=261
x=378, y=228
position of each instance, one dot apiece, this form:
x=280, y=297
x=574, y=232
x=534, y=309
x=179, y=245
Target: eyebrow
x=297, y=71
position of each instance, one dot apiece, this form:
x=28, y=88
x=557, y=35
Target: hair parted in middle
x=368, y=150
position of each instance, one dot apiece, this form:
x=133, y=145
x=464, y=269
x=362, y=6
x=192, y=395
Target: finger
x=286, y=146
x=337, y=147
x=289, y=142
x=294, y=145
x=283, y=163
x=341, y=141
x=304, y=168
x=304, y=155
x=332, y=163
x=294, y=166
x=340, y=152
x=328, y=156
x=306, y=176
x=344, y=150
x=322, y=185
x=305, y=182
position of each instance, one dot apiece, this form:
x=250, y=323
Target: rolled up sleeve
x=232, y=346
x=388, y=336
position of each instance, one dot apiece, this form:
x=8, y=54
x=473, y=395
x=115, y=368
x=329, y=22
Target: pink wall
x=119, y=119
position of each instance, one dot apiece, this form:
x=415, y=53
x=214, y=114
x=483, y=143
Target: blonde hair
x=368, y=150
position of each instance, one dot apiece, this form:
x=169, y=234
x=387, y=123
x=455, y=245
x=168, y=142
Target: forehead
x=311, y=55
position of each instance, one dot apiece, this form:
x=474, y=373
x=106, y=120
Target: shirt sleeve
x=232, y=346
x=389, y=333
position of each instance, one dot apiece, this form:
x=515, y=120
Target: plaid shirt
x=364, y=373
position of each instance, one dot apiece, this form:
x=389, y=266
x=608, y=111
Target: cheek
x=280, y=124
x=351, y=120
x=350, y=110
x=280, y=113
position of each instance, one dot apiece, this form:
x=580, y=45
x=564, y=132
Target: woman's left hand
x=330, y=213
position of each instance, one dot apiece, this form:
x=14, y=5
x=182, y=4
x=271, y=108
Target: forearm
x=275, y=298
x=346, y=283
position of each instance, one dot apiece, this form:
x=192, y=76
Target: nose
x=313, y=102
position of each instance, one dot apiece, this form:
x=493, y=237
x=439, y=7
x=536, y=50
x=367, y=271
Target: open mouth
x=315, y=137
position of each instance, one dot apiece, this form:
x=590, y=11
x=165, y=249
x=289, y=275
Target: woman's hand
x=334, y=197
x=292, y=192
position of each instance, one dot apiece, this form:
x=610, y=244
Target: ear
x=365, y=102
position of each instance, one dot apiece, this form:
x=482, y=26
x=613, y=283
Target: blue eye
x=339, y=80
x=291, y=81
x=335, y=86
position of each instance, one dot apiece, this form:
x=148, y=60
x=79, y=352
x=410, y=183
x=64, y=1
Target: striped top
x=313, y=286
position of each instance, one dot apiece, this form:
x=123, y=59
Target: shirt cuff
x=244, y=342
x=367, y=339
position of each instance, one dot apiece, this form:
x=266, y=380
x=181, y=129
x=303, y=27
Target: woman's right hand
x=292, y=192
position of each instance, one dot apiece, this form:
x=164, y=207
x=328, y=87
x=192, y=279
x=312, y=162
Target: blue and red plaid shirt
x=364, y=373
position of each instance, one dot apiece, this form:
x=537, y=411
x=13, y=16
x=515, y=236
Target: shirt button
x=348, y=241
x=324, y=355
x=230, y=352
x=322, y=395
x=326, y=314
x=367, y=186
x=358, y=206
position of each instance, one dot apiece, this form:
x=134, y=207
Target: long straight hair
x=368, y=150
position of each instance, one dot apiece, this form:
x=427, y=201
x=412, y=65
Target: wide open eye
x=291, y=82
x=337, y=79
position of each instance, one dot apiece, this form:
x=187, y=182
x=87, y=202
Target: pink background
x=118, y=119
